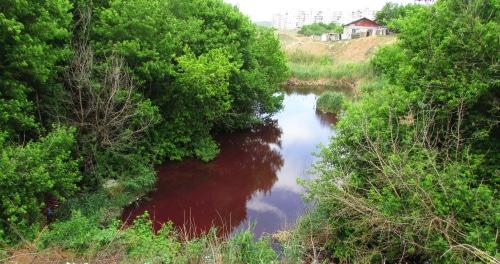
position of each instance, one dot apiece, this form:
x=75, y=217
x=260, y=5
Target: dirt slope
x=341, y=51
x=358, y=49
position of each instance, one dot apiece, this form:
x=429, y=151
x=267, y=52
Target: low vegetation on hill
x=412, y=174
x=341, y=64
x=318, y=29
x=321, y=70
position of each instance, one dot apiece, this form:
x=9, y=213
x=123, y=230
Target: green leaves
x=32, y=51
x=29, y=174
x=142, y=81
x=412, y=166
x=202, y=63
x=331, y=102
x=201, y=91
x=317, y=29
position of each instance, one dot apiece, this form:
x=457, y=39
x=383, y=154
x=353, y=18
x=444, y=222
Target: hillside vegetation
x=342, y=64
x=317, y=29
x=94, y=93
x=413, y=173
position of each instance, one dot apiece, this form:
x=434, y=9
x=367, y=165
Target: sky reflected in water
x=253, y=180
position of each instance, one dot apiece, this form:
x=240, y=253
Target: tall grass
x=306, y=66
x=331, y=102
x=302, y=57
x=83, y=239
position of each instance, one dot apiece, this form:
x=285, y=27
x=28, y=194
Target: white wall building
x=363, y=27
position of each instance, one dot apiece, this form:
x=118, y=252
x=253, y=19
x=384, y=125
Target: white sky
x=263, y=10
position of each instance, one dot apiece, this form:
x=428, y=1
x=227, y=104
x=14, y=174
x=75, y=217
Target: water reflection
x=254, y=179
x=326, y=119
x=200, y=195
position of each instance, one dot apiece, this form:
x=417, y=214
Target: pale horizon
x=263, y=10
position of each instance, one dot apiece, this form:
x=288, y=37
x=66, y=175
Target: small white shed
x=331, y=36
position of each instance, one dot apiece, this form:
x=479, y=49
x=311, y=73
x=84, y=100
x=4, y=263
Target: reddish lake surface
x=253, y=180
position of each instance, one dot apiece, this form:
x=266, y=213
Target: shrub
x=202, y=63
x=144, y=245
x=29, y=174
x=331, y=102
x=411, y=174
x=320, y=28
x=139, y=242
x=244, y=249
x=79, y=234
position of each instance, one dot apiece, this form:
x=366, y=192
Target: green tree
x=29, y=174
x=201, y=96
x=317, y=29
x=34, y=37
x=388, y=13
x=153, y=48
x=413, y=171
x=392, y=12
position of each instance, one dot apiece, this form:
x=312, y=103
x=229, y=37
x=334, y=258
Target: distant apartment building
x=298, y=18
x=286, y=21
x=335, y=17
x=302, y=18
x=361, y=13
x=319, y=17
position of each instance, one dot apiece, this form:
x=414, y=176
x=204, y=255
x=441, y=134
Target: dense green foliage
x=233, y=67
x=94, y=93
x=318, y=29
x=331, y=102
x=392, y=12
x=413, y=173
x=29, y=174
x=32, y=53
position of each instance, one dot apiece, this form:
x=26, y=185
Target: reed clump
x=331, y=102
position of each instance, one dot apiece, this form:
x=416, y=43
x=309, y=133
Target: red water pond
x=252, y=181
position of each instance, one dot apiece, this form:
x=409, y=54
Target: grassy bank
x=412, y=173
x=321, y=70
x=81, y=241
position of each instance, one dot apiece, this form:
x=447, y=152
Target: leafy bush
x=140, y=243
x=331, y=102
x=245, y=250
x=392, y=12
x=29, y=174
x=320, y=28
x=143, y=244
x=411, y=174
x=202, y=63
x=79, y=234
